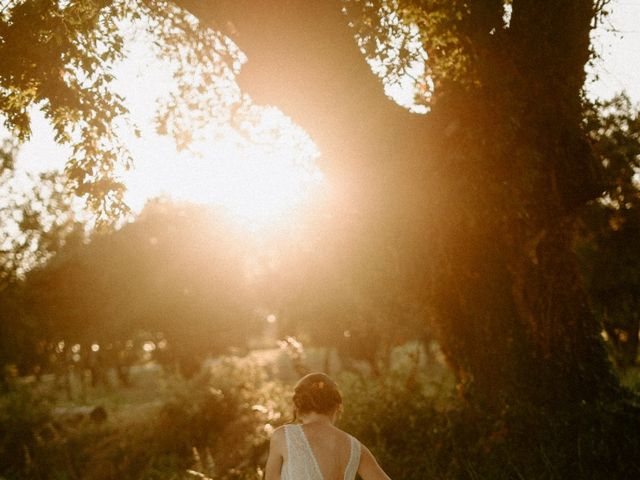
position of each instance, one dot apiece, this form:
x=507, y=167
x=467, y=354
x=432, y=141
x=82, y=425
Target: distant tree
x=174, y=271
x=610, y=236
x=344, y=289
x=37, y=218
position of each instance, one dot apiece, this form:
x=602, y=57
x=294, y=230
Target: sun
x=256, y=187
x=265, y=190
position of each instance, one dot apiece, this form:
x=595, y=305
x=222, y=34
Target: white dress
x=302, y=465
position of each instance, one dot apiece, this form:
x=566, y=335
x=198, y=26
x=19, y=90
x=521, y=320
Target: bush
x=218, y=421
x=26, y=428
x=418, y=437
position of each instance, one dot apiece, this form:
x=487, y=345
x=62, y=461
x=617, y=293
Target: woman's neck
x=313, y=417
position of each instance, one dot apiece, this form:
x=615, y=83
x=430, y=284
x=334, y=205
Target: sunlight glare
x=258, y=172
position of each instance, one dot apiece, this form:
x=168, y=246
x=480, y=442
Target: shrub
x=418, y=437
x=25, y=429
x=223, y=415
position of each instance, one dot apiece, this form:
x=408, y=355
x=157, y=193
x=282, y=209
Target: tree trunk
x=514, y=317
x=489, y=182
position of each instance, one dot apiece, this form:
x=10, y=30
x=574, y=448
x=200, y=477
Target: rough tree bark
x=504, y=167
x=514, y=318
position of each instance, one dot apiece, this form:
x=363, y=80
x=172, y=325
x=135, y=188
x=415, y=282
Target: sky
x=253, y=187
x=617, y=41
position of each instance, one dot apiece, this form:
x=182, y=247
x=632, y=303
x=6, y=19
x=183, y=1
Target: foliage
x=38, y=218
x=157, y=282
x=58, y=56
x=224, y=416
x=206, y=96
x=37, y=215
x=414, y=438
x=26, y=431
x=436, y=34
x=393, y=51
x=610, y=231
x=220, y=415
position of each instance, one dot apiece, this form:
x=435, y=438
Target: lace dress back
x=301, y=463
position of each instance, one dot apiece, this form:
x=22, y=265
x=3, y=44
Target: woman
x=313, y=448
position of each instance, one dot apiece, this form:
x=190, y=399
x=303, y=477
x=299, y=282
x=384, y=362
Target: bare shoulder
x=277, y=442
x=365, y=452
x=278, y=434
x=352, y=437
x=276, y=454
x=369, y=469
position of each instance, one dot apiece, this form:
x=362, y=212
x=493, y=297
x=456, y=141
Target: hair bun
x=316, y=392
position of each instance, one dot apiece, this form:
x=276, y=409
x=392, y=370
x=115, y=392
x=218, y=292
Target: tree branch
x=303, y=58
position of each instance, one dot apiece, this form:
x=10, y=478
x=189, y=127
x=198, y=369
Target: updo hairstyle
x=316, y=392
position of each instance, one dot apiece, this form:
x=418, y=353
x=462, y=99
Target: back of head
x=316, y=392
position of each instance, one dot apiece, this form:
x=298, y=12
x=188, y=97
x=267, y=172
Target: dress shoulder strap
x=301, y=464
x=354, y=460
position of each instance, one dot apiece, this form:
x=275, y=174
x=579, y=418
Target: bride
x=313, y=448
